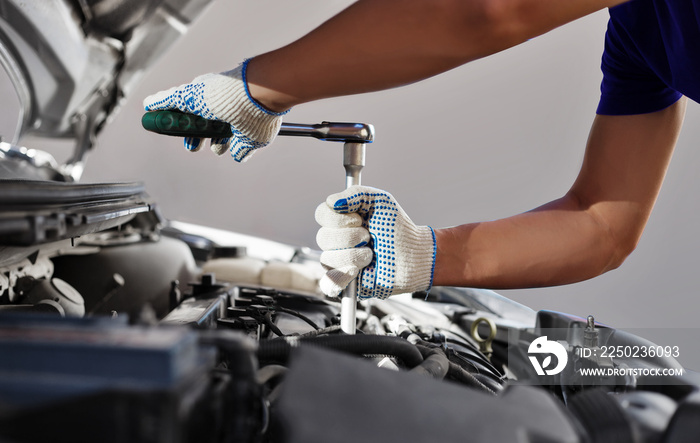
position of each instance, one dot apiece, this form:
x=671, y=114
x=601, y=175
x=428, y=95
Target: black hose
x=278, y=349
x=487, y=380
x=435, y=363
x=298, y=315
x=481, y=367
x=329, y=330
x=463, y=376
x=271, y=325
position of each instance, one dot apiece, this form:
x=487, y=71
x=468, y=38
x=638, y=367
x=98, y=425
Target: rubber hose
x=467, y=378
x=481, y=369
x=278, y=349
x=488, y=381
x=317, y=332
x=435, y=363
x=298, y=315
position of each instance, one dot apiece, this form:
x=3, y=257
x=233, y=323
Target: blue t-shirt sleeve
x=629, y=86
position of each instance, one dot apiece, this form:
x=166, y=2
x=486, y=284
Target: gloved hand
x=223, y=97
x=364, y=227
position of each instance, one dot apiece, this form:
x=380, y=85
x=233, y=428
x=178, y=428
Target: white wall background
x=490, y=139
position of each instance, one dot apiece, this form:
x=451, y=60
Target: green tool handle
x=180, y=124
x=170, y=122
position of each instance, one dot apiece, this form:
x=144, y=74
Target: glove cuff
x=229, y=95
x=420, y=266
x=244, y=78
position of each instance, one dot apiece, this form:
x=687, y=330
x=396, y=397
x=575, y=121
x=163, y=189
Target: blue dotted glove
x=364, y=231
x=223, y=97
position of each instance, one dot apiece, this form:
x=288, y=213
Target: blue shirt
x=652, y=56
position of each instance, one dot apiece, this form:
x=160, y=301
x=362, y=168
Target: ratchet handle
x=181, y=124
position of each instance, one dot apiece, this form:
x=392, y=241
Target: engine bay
x=150, y=331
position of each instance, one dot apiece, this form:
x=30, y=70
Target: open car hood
x=73, y=61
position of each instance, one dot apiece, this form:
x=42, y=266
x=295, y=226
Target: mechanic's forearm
x=558, y=243
x=587, y=232
x=380, y=44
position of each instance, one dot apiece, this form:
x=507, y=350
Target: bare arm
x=589, y=231
x=380, y=44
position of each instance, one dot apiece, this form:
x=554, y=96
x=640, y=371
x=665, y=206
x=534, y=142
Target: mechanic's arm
x=589, y=231
x=372, y=45
x=379, y=44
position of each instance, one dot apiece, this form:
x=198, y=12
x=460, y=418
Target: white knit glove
x=223, y=97
x=364, y=227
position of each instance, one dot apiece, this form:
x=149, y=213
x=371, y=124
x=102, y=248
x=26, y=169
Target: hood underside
x=72, y=62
